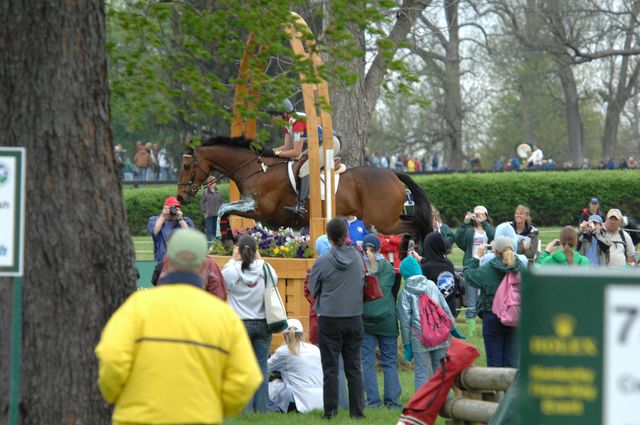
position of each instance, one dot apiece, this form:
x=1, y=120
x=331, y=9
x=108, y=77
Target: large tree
x=79, y=256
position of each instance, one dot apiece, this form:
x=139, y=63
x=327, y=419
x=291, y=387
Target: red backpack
x=434, y=322
x=506, y=302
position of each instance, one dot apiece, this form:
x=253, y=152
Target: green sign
x=580, y=344
x=12, y=187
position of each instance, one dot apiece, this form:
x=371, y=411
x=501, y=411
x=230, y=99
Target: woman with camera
x=475, y=232
x=563, y=251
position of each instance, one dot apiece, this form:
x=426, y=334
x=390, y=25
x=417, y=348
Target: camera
x=473, y=216
x=173, y=211
x=557, y=243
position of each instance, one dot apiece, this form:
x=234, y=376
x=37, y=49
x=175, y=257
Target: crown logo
x=564, y=325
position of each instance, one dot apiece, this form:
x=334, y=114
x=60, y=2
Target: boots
x=300, y=208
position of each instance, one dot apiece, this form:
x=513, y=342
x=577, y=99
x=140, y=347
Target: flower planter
x=291, y=274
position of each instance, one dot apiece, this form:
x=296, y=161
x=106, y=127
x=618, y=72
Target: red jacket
x=390, y=249
x=211, y=275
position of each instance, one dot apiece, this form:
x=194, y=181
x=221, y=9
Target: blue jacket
x=357, y=231
x=160, y=240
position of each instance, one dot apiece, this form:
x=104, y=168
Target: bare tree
x=79, y=255
x=353, y=106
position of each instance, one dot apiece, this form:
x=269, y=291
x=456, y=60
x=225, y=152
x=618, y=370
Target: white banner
x=12, y=187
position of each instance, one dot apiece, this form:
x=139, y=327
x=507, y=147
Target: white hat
x=295, y=324
x=481, y=209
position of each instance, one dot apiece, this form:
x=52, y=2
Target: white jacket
x=301, y=378
x=246, y=288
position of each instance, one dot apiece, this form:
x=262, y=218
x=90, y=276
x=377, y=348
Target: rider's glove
x=267, y=152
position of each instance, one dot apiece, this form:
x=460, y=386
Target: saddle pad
x=292, y=180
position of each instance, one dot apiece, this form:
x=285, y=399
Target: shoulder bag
x=372, y=289
x=274, y=309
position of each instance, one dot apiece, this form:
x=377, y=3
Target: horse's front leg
x=241, y=208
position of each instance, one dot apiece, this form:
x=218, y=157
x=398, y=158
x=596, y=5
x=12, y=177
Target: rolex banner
x=579, y=345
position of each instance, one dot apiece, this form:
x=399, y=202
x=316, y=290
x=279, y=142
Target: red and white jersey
x=297, y=128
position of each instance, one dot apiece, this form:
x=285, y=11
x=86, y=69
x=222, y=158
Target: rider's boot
x=300, y=208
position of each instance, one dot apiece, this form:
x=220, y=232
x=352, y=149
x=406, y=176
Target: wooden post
x=245, y=97
x=315, y=93
x=316, y=98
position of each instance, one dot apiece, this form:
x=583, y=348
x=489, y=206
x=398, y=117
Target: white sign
x=12, y=196
x=621, y=380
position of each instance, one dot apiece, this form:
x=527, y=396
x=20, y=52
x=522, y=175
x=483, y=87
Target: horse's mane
x=240, y=142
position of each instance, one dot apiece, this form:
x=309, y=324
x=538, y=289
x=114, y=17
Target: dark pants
x=210, y=227
x=499, y=342
x=341, y=335
x=261, y=341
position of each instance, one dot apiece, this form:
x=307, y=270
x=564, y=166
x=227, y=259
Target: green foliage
x=555, y=198
x=142, y=203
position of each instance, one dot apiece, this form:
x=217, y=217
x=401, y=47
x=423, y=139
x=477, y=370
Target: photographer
x=593, y=239
x=472, y=236
x=161, y=226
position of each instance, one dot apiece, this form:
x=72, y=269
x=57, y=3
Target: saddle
x=338, y=166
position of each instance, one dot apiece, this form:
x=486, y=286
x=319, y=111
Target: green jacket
x=447, y=234
x=379, y=317
x=487, y=278
x=560, y=258
x=464, y=238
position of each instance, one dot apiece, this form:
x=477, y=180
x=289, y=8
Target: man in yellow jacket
x=176, y=354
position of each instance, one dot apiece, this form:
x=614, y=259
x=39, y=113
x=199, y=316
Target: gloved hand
x=267, y=152
x=408, y=353
x=455, y=332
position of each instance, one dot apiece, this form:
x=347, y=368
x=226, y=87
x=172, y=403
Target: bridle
x=193, y=187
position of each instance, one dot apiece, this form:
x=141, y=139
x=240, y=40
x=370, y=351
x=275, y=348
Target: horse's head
x=192, y=176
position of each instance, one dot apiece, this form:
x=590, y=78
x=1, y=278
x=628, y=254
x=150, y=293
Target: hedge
x=144, y=202
x=555, y=198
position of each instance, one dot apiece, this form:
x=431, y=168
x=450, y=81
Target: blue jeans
x=499, y=342
x=425, y=362
x=142, y=174
x=389, y=362
x=261, y=341
x=472, y=300
x=210, y=226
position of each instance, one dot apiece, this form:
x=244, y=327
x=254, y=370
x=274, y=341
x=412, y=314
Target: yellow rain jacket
x=176, y=354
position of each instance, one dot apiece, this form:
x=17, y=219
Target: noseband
x=192, y=186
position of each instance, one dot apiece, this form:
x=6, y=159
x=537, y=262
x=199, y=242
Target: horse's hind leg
x=399, y=227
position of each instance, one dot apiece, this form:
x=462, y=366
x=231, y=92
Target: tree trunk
x=453, y=96
x=354, y=105
x=574, y=119
x=610, y=134
x=530, y=79
x=79, y=256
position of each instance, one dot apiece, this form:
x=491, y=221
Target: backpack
x=506, y=302
x=434, y=322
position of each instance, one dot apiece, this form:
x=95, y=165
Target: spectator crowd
x=196, y=348
x=150, y=162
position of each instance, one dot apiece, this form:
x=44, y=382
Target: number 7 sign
x=621, y=380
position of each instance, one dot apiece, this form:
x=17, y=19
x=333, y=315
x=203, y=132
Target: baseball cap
x=595, y=218
x=295, y=324
x=502, y=242
x=371, y=240
x=187, y=247
x=482, y=209
x=594, y=201
x=614, y=212
x=171, y=201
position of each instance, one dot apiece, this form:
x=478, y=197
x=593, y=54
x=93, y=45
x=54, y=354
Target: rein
x=195, y=165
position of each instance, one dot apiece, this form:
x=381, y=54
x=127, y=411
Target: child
x=426, y=359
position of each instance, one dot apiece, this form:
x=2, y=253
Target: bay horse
x=375, y=195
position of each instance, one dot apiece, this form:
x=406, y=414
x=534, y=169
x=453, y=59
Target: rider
x=295, y=135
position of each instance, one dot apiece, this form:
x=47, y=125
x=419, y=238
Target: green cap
x=187, y=247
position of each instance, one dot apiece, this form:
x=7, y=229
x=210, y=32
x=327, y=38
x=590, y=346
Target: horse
x=375, y=195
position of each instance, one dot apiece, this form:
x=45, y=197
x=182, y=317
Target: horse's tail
x=422, y=214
